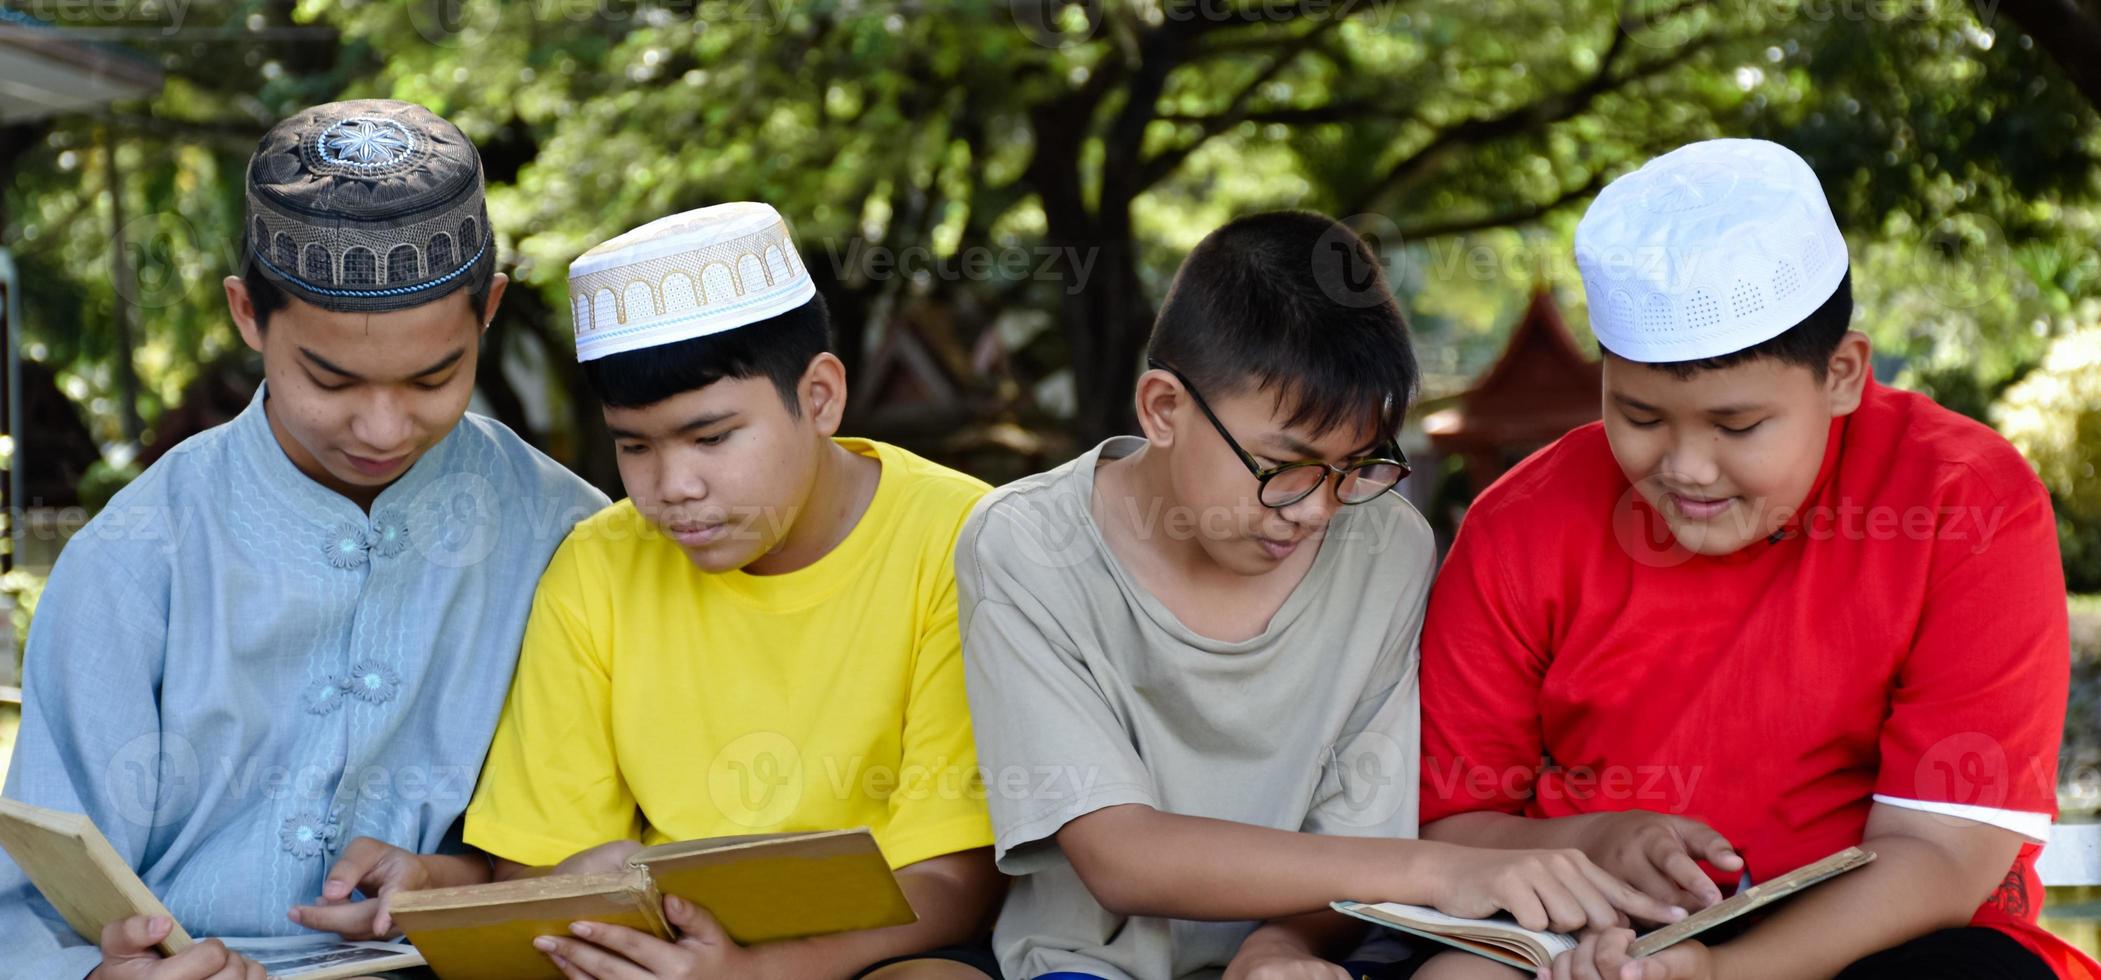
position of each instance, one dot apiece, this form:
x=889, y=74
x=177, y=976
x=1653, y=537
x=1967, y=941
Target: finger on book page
x=1633, y=901
x=354, y=920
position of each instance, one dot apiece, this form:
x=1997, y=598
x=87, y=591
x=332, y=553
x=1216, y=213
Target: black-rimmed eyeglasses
x=1357, y=480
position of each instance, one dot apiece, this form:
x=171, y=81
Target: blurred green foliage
x=1463, y=137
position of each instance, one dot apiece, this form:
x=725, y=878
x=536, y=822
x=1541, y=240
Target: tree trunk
x=1103, y=315
x=1106, y=325
x=126, y=373
x=15, y=141
x=2069, y=29
x=1106, y=316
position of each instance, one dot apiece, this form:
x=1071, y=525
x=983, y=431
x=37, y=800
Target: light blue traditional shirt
x=236, y=671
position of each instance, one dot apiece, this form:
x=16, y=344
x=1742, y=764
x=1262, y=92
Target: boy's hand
x=1602, y=955
x=609, y=856
x=375, y=868
x=1657, y=852
x=1560, y=890
x=1258, y=960
x=703, y=951
x=128, y=954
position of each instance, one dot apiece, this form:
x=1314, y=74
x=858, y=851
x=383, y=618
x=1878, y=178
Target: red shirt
x=1902, y=640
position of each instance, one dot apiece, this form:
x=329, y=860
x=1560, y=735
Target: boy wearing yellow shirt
x=761, y=639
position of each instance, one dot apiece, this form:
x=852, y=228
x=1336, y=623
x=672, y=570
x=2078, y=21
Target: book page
x=305, y=959
x=683, y=848
x=1534, y=947
x=1432, y=919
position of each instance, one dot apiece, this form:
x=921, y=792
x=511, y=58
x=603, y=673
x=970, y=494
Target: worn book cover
x=783, y=886
x=761, y=888
x=486, y=932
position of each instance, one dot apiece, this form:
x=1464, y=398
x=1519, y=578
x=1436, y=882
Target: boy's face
x=1215, y=497
x=357, y=398
x=1728, y=455
x=724, y=470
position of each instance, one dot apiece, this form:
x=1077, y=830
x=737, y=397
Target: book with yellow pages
x=761, y=888
x=1504, y=941
x=91, y=886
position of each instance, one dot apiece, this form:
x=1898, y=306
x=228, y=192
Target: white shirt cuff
x=2034, y=826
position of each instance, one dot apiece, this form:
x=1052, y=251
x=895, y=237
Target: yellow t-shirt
x=658, y=702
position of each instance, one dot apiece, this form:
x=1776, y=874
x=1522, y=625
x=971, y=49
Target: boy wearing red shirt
x=1765, y=610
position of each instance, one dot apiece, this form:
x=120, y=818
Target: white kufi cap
x=689, y=275
x=1707, y=250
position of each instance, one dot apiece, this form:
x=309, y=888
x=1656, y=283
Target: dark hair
x=778, y=349
x=1809, y=343
x=1292, y=303
x=267, y=298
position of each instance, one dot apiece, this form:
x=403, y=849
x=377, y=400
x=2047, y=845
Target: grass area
x=2074, y=915
x=2088, y=604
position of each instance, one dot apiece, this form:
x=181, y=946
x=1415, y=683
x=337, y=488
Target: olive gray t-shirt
x=1086, y=692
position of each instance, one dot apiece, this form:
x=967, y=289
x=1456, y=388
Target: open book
x=760, y=888
x=1510, y=944
x=89, y=884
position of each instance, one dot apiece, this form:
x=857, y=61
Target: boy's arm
x=1655, y=852
x=90, y=739
x=1324, y=936
x=1968, y=752
x=1930, y=872
x=1485, y=659
x=1038, y=708
x=1368, y=785
x=1139, y=861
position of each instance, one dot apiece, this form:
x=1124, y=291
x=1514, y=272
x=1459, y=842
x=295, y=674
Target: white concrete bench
x=2073, y=856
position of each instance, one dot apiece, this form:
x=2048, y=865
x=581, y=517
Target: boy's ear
x=1159, y=395
x=1846, y=375
x=497, y=283
x=242, y=307
x=823, y=392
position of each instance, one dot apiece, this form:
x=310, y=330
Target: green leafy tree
x=1098, y=141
